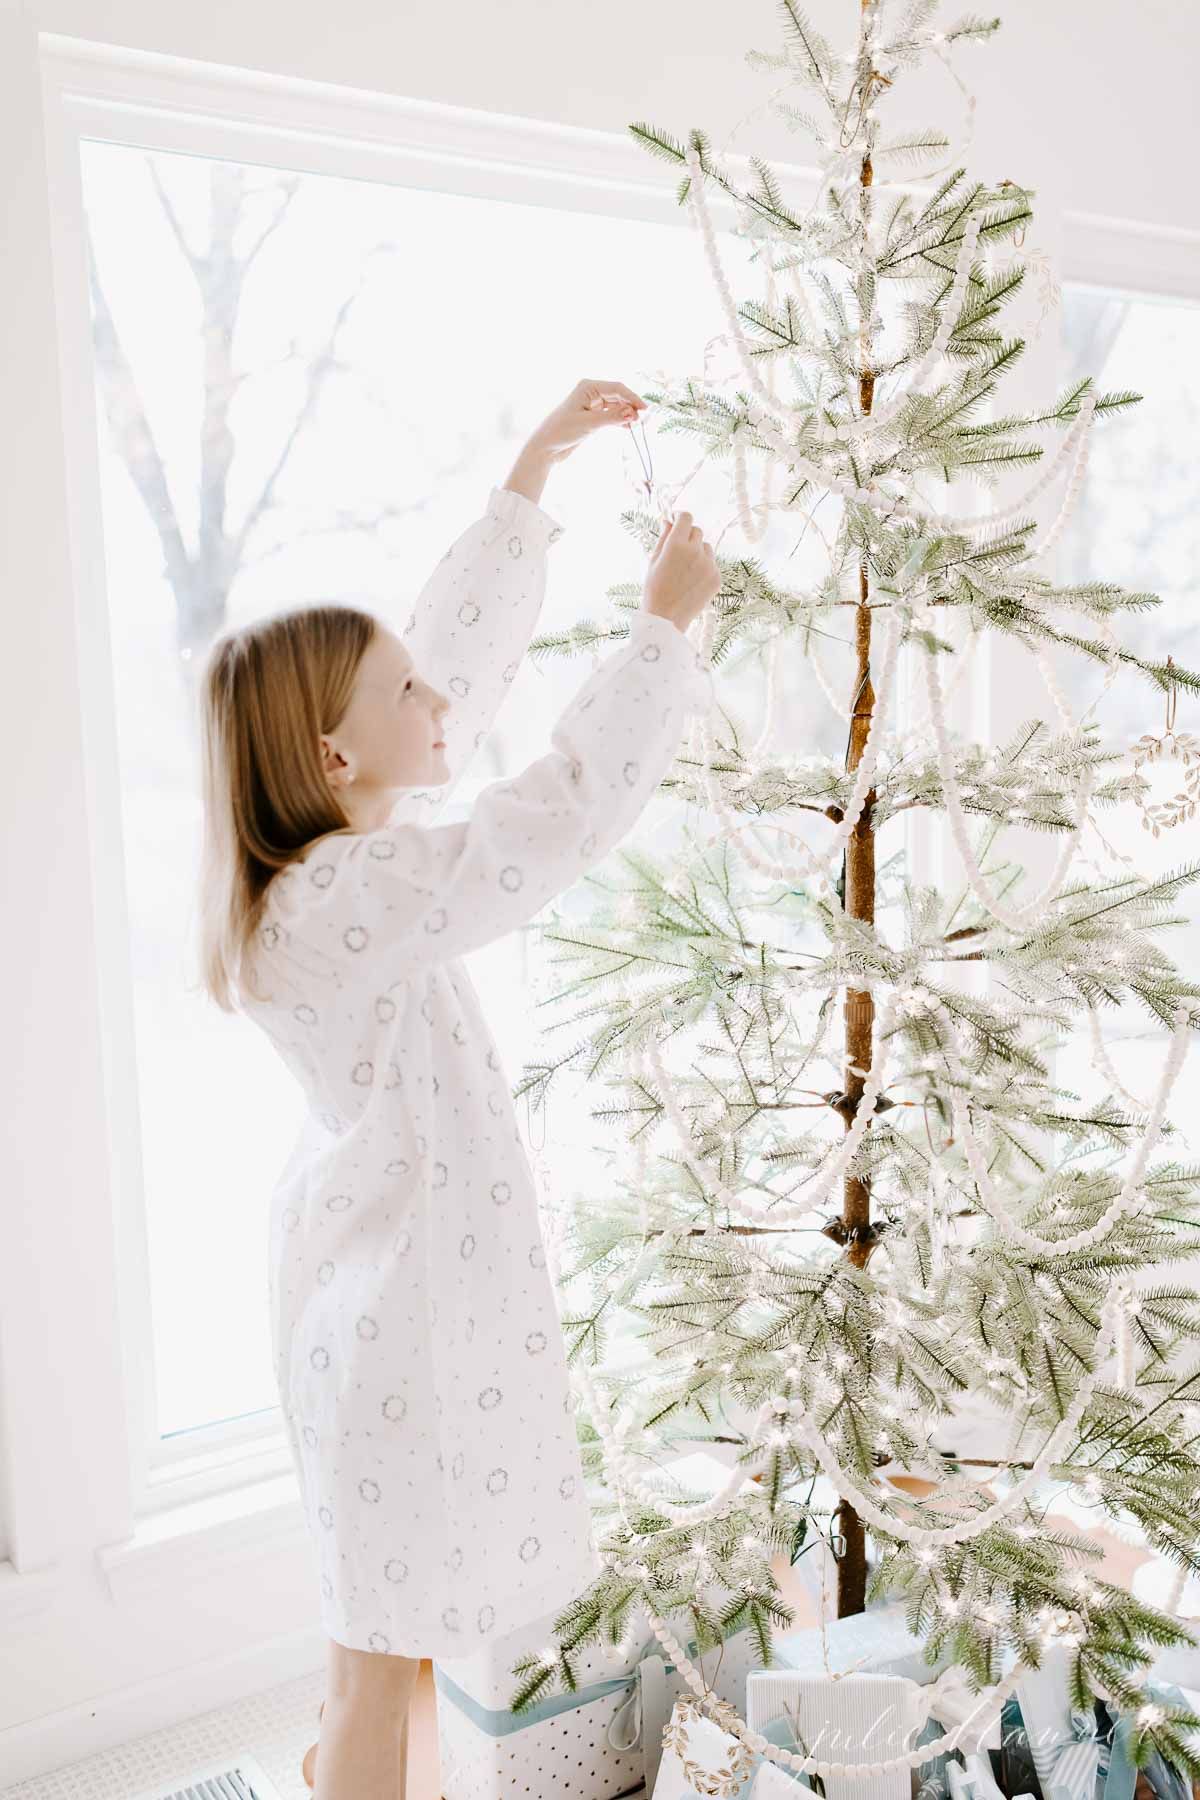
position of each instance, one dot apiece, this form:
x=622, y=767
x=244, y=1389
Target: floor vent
x=233, y=1778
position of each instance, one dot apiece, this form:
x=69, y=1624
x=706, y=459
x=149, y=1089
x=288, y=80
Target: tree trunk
x=859, y=1008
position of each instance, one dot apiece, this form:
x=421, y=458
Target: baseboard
x=39, y=1746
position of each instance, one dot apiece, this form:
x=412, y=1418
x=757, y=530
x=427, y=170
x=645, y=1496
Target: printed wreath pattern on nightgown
x=323, y=874
x=458, y=684
x=362, y=1073
x=535, y=1343
x=511, y=878
x=325, y=1273
x=369, y=1490
x=566, y=1486
x=394, y=1408
x=501, y=1192
x=394, y=1569
x=530, y=1547
x=385, y=1009
x=468, y=612
x=319, y=1357
x=367, y=1328
x=339, y=1202
x=304, y=1013
x=467, y=1248
x=497, y=1481
x=515, y=546
x=489, y=1398
x=381, y=849
x=355, y=937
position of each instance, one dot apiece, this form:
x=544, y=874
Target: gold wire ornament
x=1185, y=747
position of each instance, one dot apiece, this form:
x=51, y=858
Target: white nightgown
x=421, y=1369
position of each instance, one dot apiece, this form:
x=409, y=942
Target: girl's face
x=391, y=734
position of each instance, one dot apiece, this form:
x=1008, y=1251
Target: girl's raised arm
x=470, y=627
x=396, y=899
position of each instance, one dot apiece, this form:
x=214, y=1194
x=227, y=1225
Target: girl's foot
x=308, y=1768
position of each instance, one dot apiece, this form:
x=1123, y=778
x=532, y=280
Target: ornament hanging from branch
x=1183, y=745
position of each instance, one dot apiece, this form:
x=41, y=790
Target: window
x=1136, y=524
x=306, y=386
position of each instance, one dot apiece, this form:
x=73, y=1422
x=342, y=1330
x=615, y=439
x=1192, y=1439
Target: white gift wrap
x=770, y=1783
x=877, y=1641
x=975, y=1781
x=863, y=1718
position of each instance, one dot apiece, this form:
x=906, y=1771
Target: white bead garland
x=1130, y=1196
x=1016, y=918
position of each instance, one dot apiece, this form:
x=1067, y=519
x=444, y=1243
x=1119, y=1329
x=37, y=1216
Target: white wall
x=1089, y=100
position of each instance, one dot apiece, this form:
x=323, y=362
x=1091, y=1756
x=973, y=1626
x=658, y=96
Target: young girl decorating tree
x=421, y=1371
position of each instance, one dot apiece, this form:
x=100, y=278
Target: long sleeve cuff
x=532, y=521
x=656, y=634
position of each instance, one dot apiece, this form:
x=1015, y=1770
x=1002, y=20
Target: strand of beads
x=1073, y=444
x=1074, y=486
x=749, y=1208
x=1017, y=919
x=878, y=420
x=778, y=408
x=816, y=868
x=926, y=515
x=842, y=712
x=1131, y=1196
x=925, y=1537
x=791, y=1760
x=1103, y=1062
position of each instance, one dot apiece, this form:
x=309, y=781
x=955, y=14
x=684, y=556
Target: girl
x=421, y=1371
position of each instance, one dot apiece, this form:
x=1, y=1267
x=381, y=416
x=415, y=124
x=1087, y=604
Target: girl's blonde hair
x=267, y=693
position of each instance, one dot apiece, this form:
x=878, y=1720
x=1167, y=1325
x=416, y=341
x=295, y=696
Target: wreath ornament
x=1183, y=745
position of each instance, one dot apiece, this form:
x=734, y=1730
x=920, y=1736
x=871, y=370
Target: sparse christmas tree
x=975, y=1233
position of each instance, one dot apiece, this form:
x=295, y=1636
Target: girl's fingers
x=612, y=391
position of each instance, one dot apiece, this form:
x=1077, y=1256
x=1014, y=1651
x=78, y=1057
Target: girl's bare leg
x=363, y=1746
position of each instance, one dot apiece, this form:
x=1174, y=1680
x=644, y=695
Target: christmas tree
x=972, y=1233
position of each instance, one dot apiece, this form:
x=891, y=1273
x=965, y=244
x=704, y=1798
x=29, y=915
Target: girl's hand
x=589, y=407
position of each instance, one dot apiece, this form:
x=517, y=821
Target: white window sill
x=200, y=1536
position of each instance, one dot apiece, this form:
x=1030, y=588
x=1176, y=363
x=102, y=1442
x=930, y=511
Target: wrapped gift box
x=862, y=1718
x=1087, y=1756
x=607, y=1734
x=877, y=1641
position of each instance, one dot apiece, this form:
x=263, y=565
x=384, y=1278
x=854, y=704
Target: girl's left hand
x=589, y=407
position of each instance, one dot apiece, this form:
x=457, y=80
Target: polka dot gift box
x=603, y=1740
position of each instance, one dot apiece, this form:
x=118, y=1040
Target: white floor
x=276, y=1727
